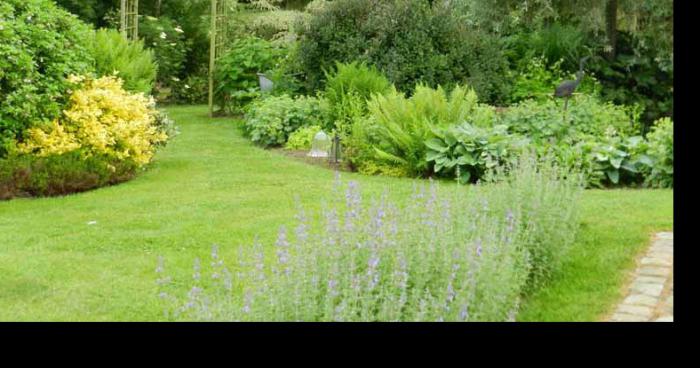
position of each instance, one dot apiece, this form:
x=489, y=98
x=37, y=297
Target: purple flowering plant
x=452, y=253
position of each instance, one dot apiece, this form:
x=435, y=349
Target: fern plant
x=348, y=88
x=403, y=125
x=133, y=64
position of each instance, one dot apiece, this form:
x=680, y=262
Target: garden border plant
x=463, y=255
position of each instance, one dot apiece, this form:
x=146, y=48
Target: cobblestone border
x=650, y=295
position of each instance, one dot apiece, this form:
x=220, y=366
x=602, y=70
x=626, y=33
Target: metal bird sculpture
x=566, y=88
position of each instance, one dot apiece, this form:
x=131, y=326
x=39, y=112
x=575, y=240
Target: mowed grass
x=211, y=186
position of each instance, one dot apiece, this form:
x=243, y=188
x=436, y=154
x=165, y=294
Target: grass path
x=211, y=186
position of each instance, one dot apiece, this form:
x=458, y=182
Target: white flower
x=176, y=79
x=187, y=86
x=179, y=30
x=163, y=35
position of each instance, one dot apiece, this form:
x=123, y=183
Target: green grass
x=211, y=186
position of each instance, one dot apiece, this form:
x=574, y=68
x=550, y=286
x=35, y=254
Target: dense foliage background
x=488, y=44
x=76, y=110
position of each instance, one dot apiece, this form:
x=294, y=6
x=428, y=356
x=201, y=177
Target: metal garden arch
x=129, y=22
x=218, y=35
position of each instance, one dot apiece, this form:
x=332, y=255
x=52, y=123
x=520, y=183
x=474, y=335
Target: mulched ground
x=301, y=155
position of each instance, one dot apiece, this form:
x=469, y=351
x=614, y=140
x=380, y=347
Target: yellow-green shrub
x=101, y=119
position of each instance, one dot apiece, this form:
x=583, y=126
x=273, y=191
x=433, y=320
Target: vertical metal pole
x=136, y=20
x=122, y=20
x=212, y=57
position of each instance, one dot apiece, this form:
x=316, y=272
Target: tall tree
x=611, y=28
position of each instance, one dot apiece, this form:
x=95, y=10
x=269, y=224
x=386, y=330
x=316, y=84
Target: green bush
x=635, y=77
x=467, y=152
x=547, y=197
x=28, y=175
x=276, y=24
x=348, y=88
x=661, y=152
x=545, y=120
x=407, y=40
x=170, y=48
x=287, y=76
x=554, y=43
x=398, y=127
x=40, y=45
x=271, y=120
x=193, y=89
x=134, y=65
x=236, y=72
x=601, y=140
x=89, y=11
x=316, y=6
x=301, y=138
x=535, y=80
x=615, y=160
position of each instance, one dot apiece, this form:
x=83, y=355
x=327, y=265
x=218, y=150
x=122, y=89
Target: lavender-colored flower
x=282, y=244
x=338, y=312
x=247, y=301
x=450, y=293
x=197, y=275
x=510, y=220
x=332, y=228
x=355, y=283
x=195, y=292
x=228, y=281
x=446, y=211
x=160, y=268
x=372, y=273
x=216, y=263
x=336, y=177
x=259, y=260
x=464, y=313
x=401, y=274
x=478, y=247
x=302, y=229
x=373, y=262
x=332, y=291
x=373, y=281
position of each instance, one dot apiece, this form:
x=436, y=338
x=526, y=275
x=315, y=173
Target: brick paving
x=649, y=297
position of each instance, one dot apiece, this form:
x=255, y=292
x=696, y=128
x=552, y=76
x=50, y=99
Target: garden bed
x=196, y=195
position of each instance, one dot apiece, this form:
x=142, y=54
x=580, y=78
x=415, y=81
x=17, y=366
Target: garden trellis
x=129, y=24
x=218, y=38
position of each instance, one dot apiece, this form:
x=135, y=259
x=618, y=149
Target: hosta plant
x=616, y=160
x=466, y=152
x=398, y=127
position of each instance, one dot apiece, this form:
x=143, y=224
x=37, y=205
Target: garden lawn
x=92, y=256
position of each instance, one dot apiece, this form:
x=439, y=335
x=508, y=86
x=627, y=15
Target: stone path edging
x=650, y=295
